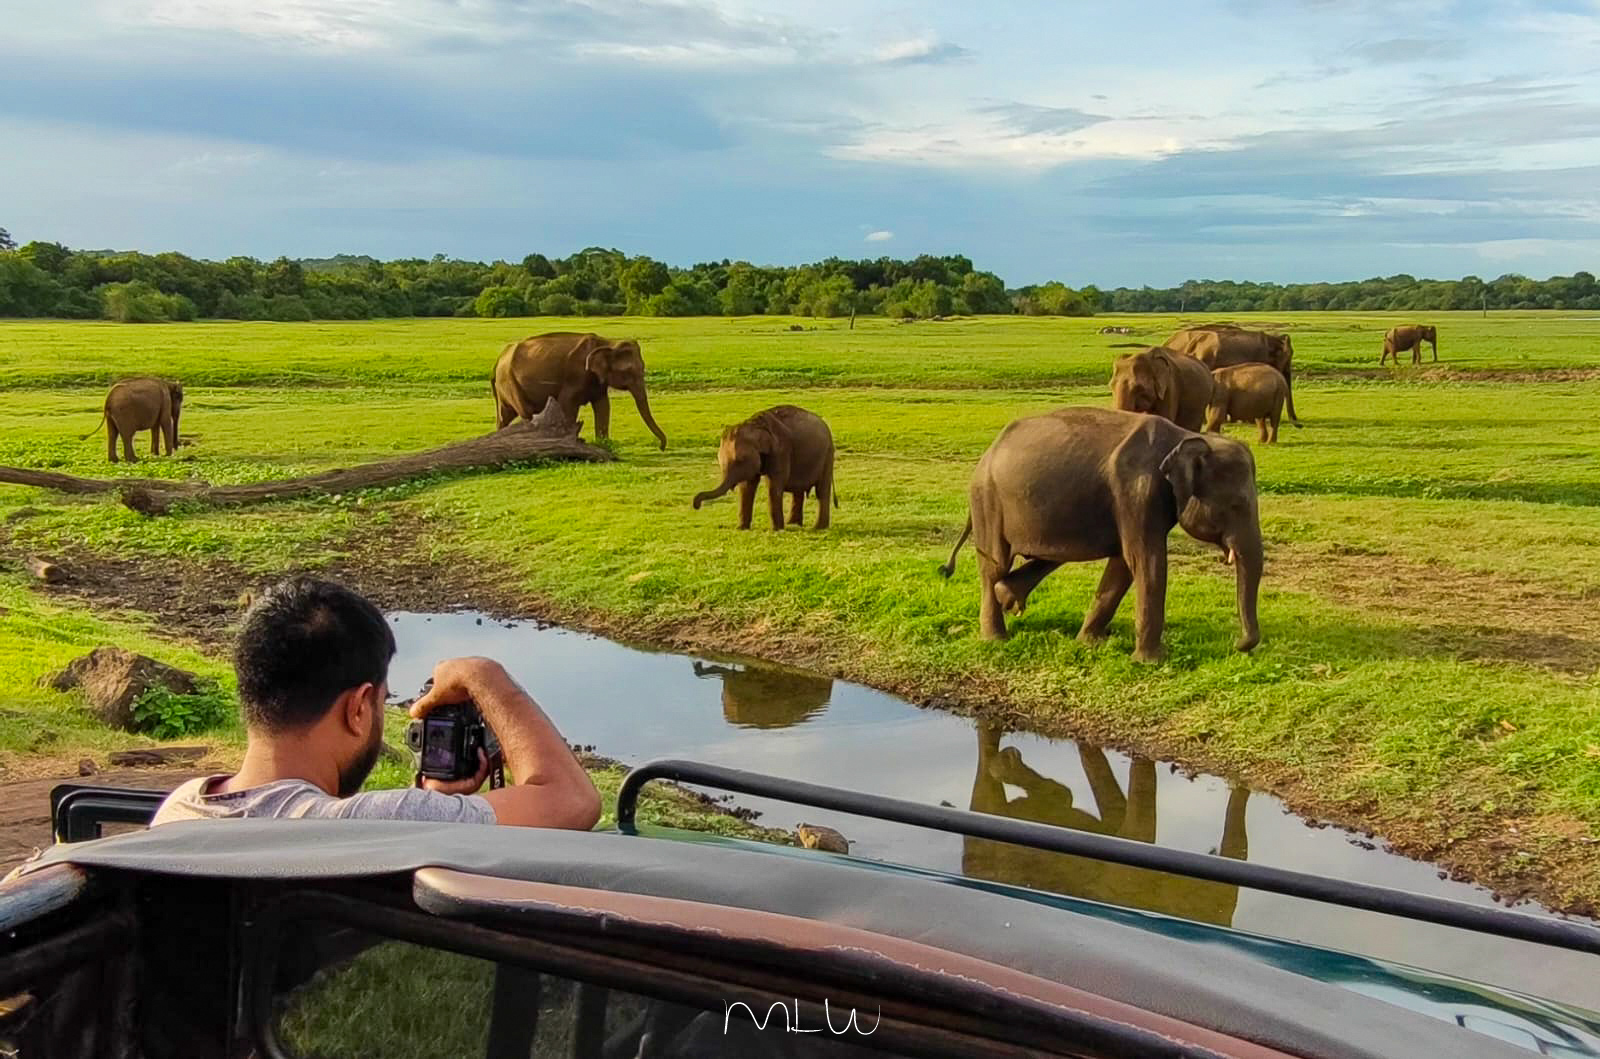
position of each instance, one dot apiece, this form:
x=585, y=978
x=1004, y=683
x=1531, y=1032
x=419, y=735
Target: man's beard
x=354, y=774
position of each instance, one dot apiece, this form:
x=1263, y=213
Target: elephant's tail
x=96, y=429
x=950, y=567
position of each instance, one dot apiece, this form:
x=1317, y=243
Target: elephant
x=1164, y=383
x=789, y=447
x=1223, y=345
x=1080, y=484
x=575, y=369
x=1247, y=393
x=759, y=696
x=143, y=403
x=1121, y=812
x=1399, y=339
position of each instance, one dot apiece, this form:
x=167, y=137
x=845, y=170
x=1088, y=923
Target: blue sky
x=1116, y=143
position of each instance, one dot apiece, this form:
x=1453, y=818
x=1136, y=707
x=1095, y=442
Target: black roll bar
x=1560, y=933
x=77, y=810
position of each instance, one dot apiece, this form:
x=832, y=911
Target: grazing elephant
x=1164, y=383
x=575, y=369
x=1399, y=339
x=1121, y=811
x=760, y=696
x=1080, y=484
x=789, y=447
x=144, y=403
x=1223, y=345
x=1248, y=393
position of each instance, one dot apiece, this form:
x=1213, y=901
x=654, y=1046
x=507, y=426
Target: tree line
x=42, y=279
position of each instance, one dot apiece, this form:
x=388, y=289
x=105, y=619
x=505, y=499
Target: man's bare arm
x=549, y=787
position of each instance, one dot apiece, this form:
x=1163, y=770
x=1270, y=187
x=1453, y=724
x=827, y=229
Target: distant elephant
x=1164, y=383
x=1410, y=337
x=575, y=369
x=759, y=696
x=1123, y=813
x=1223, y=345
x=789, y=447
x=144, y=403
x=1248, y=393
x=1080, y=484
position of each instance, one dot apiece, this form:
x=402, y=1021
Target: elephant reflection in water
x=762, y=697
x=1123, y=815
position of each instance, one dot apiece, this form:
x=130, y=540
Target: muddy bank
x=1513, y=850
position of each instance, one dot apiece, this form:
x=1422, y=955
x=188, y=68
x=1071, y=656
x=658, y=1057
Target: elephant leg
x=127, y=447
x=1149, y=567
x=747, y=502
x=775, y=491
x=1277, y=417
x=991, y=618
x=1261, y=429
x=504, y=414
x=170, y=432
x=111, y=440
x=1114, y=584
x=1013, y=589
x=797, y=508
x=155, y=440
x=602, y=415
x=825, y=496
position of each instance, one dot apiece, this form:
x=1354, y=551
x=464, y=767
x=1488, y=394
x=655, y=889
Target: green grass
x=1366, y=701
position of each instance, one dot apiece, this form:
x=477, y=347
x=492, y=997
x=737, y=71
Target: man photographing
x=313, y=666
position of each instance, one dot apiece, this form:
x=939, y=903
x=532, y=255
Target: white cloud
x=879, y=236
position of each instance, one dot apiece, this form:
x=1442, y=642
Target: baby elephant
x=1247, y=393
x=145, y=403
x=789, y=447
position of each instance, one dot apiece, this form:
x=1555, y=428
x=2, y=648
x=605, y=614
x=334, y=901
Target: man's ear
x=353, y=708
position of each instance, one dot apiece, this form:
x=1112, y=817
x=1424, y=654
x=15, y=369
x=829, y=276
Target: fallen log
x=550, y=435
x=71, y=483
x=45, y=570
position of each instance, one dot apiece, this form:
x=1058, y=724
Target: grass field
x=1432, y=642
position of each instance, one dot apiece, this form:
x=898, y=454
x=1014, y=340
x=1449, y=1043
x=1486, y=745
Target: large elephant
x=1248, y=393
x=1080, y=484
x=789, y=447
x=1164, y=383
x=760, y=696
x=575, y=369
x=1410, y=337
x=144, y=403
x=1222, y=345
x=1123, y=812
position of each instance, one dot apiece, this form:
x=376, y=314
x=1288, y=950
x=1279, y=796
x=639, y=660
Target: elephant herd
x=1076, y=484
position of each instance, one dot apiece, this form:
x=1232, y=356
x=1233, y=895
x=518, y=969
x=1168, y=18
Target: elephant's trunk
x=728, y=482
x=641, y=399
x=1247, y=558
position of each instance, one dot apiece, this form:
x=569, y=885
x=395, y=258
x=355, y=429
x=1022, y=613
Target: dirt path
x=1461, y=613
x=25, y=806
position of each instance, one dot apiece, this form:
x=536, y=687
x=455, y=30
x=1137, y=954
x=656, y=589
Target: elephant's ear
x=598, y=362
x=1183, y=467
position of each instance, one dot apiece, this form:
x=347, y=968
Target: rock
x=815, y=836
x=87, y=767
x=158, y=755
x=46, y=571
x=112, y=679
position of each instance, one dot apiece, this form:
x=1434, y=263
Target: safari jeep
x=346, y=938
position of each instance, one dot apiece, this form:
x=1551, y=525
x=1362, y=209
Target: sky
x=1119, y=143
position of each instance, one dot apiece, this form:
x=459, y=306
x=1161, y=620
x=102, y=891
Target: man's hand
x=470, y=785
x=457, y=680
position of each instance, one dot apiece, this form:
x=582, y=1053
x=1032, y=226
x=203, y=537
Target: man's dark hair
x=304, y=643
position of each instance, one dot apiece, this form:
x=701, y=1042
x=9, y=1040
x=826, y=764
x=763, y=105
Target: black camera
x=445, y=744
